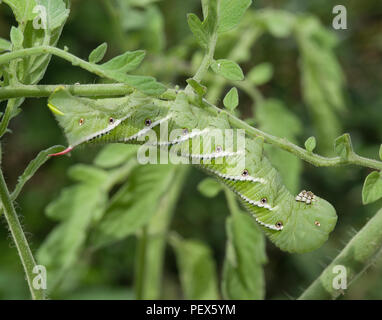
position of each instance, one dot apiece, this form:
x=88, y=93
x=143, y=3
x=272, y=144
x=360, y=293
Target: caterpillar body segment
x=295, y=223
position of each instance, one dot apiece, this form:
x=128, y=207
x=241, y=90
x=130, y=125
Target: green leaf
x=32, y=168
x=134, y=204
x=380, y=152
x=198, y=88
x=209, y=187
x=231, y=12
x=268, y=116
x=5, y=45
x=147, y=85
x=228, y=69
x=197, y=269
x=210, y=11
x=277, y=22
x=17, y=38
x=260, y=74
x=88, y=174
x=56, y=14
x=372, y=188
x=123, y=63
x=231, y=100
x=78, y=206
x=310, y=144
x=115, y=154
x=197, y=29
x=22, y=9
x=322, y=79
x=98, y=53
x=153, y=31
x=205, y=4
x=117, y=68
x=183, y=114
x=343, y=146
x=153, y=241
x=243, y=275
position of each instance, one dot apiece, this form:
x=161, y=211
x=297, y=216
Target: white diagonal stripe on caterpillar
x=182, y=139
x=215, y=155
x=261, y=205
x=255, y=203
x=147, y=129
x=237, y=178
x=269, y=226
x=108, y=129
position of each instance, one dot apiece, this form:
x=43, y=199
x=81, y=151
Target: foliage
x=110, y=214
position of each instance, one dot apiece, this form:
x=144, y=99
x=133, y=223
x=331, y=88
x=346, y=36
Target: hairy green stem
x=282, y=143
x=7, y=116
x=84, y=90
x=90, y=90
x=74, y=60
x=356, y=257
x=118, y=89
x=206, y=62
x=7, y=57
x=21, y=242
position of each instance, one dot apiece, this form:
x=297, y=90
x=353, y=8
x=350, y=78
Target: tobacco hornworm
x=295, y=224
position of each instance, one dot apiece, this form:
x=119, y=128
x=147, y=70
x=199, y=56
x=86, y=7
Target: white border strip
x=102, y=132
x=237, y=178
x=147, y=129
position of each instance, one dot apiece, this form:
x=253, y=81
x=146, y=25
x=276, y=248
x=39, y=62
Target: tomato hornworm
x=299, y=223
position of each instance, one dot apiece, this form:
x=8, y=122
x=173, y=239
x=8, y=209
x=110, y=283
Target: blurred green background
x=160, y=27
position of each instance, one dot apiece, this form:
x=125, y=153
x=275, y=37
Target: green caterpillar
x=295, y=224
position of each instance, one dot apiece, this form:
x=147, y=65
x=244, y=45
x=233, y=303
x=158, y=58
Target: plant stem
x=206, y=62
x=7, y=116
x=39, y=91
x=84, y=90
x=74, y=60
x=6, y=57
x=356, y=257
x=118, y=89
x=18, y=236
x=282, y=143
